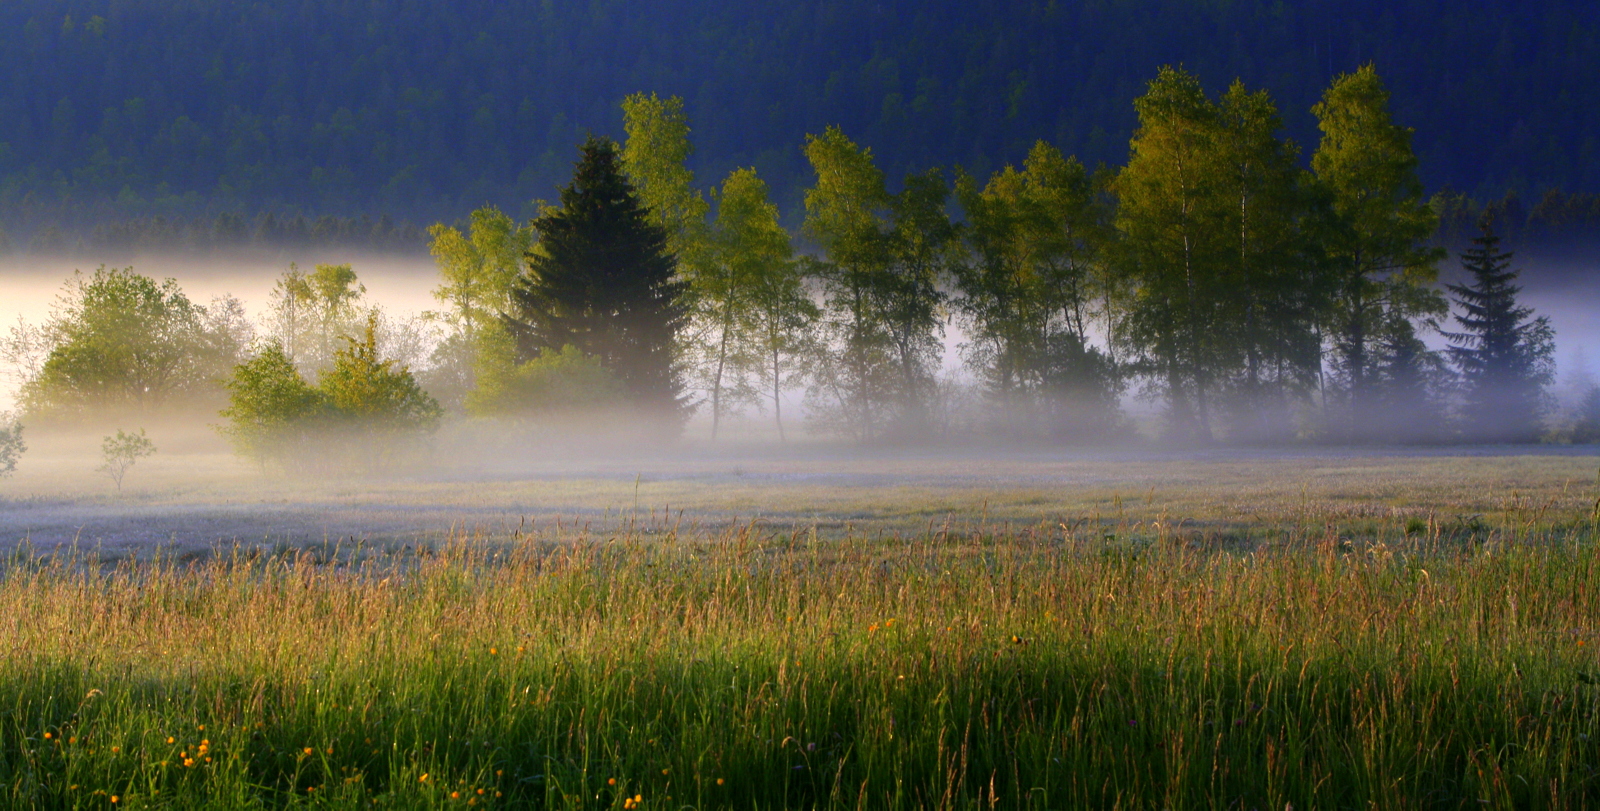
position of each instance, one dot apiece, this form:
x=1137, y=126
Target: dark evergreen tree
x=1586, y=428
x=1409, y=383
x=603, y=281
x=1503, y=354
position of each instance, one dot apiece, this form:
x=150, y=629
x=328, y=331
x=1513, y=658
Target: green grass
x=1321, y=660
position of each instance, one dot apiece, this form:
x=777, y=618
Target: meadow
x=1243, y=630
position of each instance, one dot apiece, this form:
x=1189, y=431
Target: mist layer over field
x=194, y=495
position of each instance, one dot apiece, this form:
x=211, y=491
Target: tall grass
x=1051, y=667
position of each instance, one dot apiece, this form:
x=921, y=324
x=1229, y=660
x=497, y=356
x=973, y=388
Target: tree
x=1176, y=250
x=334, y=296
x=1504, y=355
x=781, y=314
x=758, y=301
x=1028, y=291
x=1586, y=426
x=11, y=445
x=604, y=283
x=273, y=414
x=123, y=341
x=853, y=377
x=311, y=312
x=655, y=158
x=477, y=271
x=1409, y=384
x=560, y=384
x=361, y=413
x=923, y=245
x=1283, y=289
x=290, y=316
x=1382, y=269
x=121, y=451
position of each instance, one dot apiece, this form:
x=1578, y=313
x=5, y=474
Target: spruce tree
x=1503, y=355
x=604, y=282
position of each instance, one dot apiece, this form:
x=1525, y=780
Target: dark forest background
x=375, y=113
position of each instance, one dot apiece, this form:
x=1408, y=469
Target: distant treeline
x=1554, y=220
x=114, y=109
x=226, y=233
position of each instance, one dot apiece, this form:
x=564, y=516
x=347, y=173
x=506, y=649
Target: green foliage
x=884, y=256
x=374, y=394
x=1504, y=354
x=11, y=445
x=1383, y=271
x=477, y=271
x=362, y=413
x=604, y=282
x=1034, y=278
x=124, y=342
x=767, y=314
x=272, y=413
x=121, y=451
x=1170, y=209
x=655, y=158
x=562, y=384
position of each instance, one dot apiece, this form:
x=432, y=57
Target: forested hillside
x=118, y=109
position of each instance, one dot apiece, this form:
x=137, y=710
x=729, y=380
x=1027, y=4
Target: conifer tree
x=1503, y=354
x=603, y=281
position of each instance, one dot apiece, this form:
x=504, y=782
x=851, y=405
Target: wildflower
x=663, y=771
x=719, y=781
x=72, y=740
x=493, y=651
x=115, y=749
x=455, y=795
x=423, y=778
x=308, y=750
x=115, y=798
x=202, y=727
x=188, y=762
x=48, y=736
x=172, y=740
x=611, y=782
x=480, y=791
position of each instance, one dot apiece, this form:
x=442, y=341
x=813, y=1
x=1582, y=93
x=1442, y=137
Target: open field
x=193, y=495
x=1240, y=629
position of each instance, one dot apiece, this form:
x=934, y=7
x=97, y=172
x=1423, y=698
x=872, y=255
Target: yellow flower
x=719, y=781
x=172, y=740
x=493, y=651
x=188, y=762
x=611, y=781
x=423, y=778
x=308, y=750
x=455, y=795
x=115, y=798
x=48, y=736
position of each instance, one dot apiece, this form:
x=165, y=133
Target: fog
x=595, y=474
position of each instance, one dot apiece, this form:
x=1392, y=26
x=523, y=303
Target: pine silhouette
x=1502, y=353
x=603, y=281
